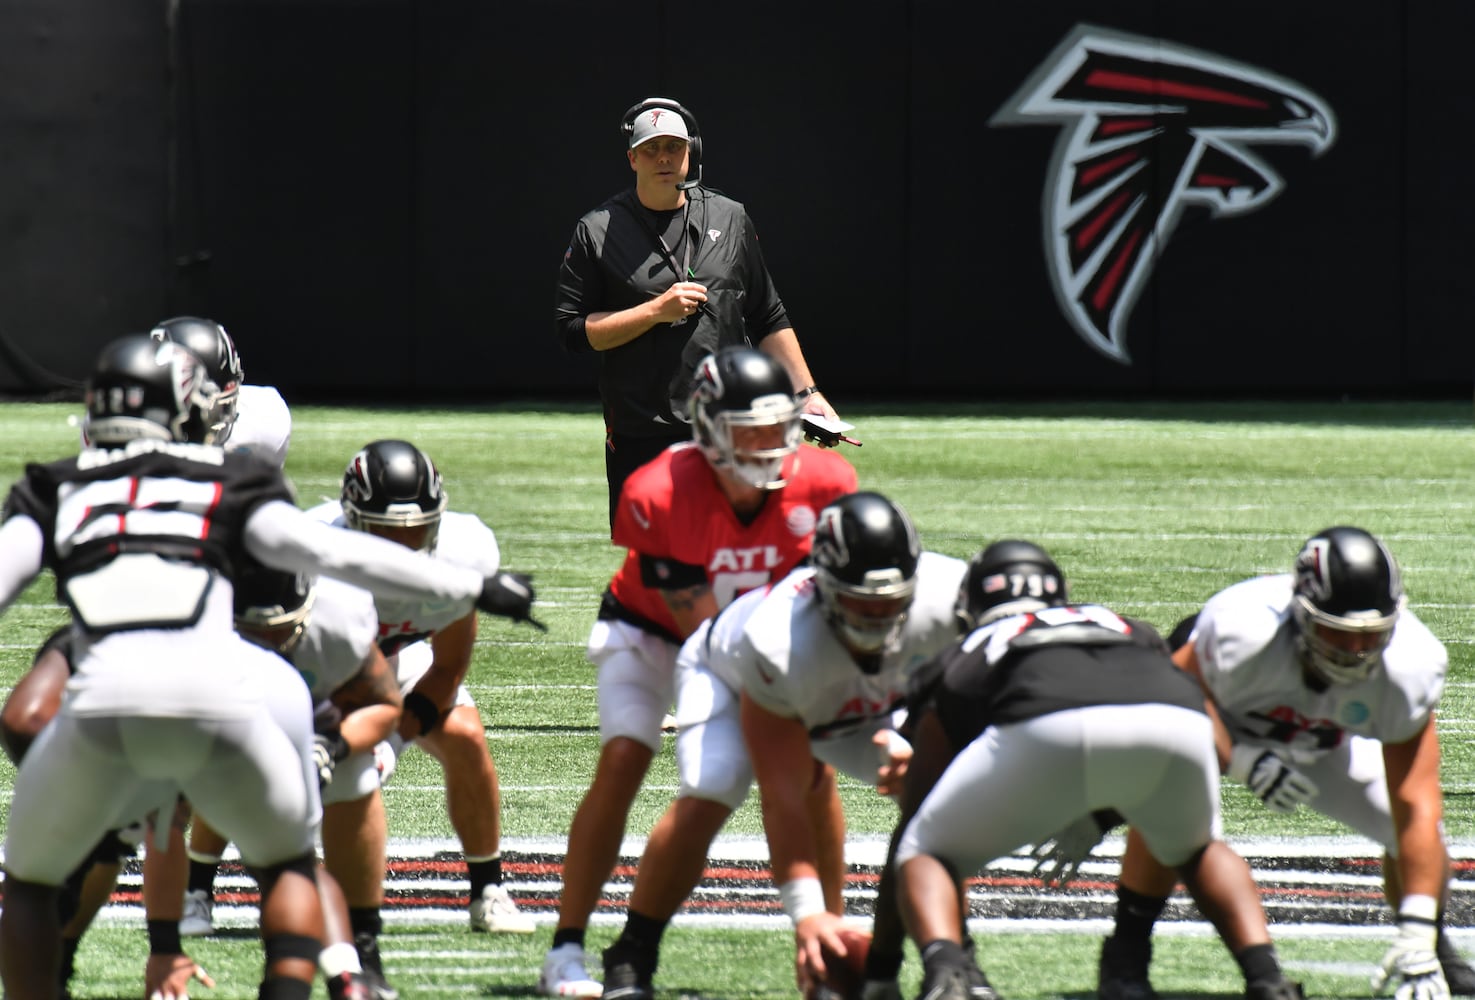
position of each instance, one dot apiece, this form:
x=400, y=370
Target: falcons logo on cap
x=1149, y=128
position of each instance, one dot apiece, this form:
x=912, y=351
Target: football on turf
x=844, y=977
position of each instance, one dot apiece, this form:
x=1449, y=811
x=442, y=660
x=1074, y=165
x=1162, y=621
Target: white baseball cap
x=654, y=122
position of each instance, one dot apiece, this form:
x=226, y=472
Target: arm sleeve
x=21, y=547
x=579, y=290
x=285, y=538
x=661, y=573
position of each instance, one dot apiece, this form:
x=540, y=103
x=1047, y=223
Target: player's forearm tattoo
x=373, y=685
x=686, y=598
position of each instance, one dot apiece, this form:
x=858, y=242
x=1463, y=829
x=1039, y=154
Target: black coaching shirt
x=1048, y=661
x=185, y=503
x=615, y=261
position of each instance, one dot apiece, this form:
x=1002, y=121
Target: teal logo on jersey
x=1355, y=713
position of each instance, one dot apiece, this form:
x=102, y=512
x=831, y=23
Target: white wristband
x=802, y=897
x=1421, y=908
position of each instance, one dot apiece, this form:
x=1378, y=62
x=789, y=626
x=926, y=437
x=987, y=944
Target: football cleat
x=495, y=913
x=199, y=910
x=625, y=977
x=1122, y=974
x=350, y=986
x=979, y=987
x=1274, y=989
x=565, y=974
x=367, y=946
x=949, y=983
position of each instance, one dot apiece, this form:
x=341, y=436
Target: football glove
x=1411, y=965
x=1059, y=859
x=327, y=750
x=509, y=595
x=1277, y=784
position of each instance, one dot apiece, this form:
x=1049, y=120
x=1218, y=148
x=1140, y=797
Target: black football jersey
x=1047, y=661
x=135, y=535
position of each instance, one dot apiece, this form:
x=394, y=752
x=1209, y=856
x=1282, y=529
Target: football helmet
x=272, y=607
x=865, y=555
x=1347, y=597
x=393, y=484
x=144, y=388
x=739, y=388
x=209, y=342
x=1009, y=577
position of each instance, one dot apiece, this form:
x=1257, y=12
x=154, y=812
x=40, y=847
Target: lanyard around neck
x=683, y=268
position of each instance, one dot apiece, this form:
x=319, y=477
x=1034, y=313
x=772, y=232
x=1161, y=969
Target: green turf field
x=1149, y=508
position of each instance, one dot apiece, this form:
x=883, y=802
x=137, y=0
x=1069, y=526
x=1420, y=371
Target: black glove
x=327, y=750
x=511, y=596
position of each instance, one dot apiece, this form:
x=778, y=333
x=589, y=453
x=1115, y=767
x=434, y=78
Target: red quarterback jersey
x=672, y=509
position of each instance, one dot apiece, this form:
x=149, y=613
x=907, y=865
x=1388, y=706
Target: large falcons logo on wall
x=1149, y=128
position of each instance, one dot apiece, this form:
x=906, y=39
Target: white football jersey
x=341, y=629
x=464, y=540
x=779, y=648
x=263, y=424
x=1245, y=642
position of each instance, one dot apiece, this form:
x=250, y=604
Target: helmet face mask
x=865, y=555
x=739, y=394
x=145, y=389
x=1348, y=594
x=209, y=342
x=868, y=620
x=391, y=487
x=273, y=608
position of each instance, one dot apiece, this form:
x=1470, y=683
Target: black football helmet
x=1346, y=581
x=1009, y=577
x=393, y=484
x=210, y=343
x=739, y=387
x=272, y=607
x=144, y=388
x=865, y=554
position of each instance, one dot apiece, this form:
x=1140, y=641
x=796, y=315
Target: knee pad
x=286, y=946
x=112, y=849
x=305, y=865
x=59, y=641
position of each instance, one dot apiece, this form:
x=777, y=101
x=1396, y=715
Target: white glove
x=1412, y=965
x=385, y=757
x=327, y=750
x=1059, y=858
x=1279, y=785
x=880, y=989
